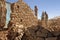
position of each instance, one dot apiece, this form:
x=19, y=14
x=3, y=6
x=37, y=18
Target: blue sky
x=52, y=7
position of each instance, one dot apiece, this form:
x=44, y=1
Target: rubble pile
x=24, y=25
x=31, y=33
x=54, y=24
x=3, y=35
x=16, y=32
x=39, y=33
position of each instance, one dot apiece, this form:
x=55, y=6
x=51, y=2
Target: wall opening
x=8, y=13
x=17, y=6
x=21, y=20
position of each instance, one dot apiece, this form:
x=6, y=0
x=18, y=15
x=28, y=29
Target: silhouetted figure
x=36, y=10
x=44, y=19
x=44, y=16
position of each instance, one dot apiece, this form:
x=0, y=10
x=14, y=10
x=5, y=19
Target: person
x=36, y=9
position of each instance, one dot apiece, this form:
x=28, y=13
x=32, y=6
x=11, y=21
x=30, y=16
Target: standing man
x=36, y=10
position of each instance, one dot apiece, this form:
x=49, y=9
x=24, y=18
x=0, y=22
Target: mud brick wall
x=22, y=14
x=2, y=13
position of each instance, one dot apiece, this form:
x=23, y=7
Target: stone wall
x=22, y=14
x=3, y=34
x=2, y=13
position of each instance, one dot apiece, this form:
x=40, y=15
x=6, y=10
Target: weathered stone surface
x=56, y=33
x=23, y=14
x=51, y=38
x=2, y=13
x=36, y=33
x=3, y=35
x=54, y=25
x=23, y=24
x=38, y=38
x=16, y=32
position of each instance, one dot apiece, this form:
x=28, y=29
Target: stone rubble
x=24, y=24
x=38, y=33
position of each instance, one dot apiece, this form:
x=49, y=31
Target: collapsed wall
x=39, y=33
x=22, y=14
x=2, y=13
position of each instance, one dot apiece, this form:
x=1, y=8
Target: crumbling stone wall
x=2, y=13
x=31, y=33
x=16, y=32
x=3, y=35
x=21, y=17
x=21, y=13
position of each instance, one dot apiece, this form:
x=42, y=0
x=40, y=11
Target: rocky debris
x=56, y=33
x=3, y=35
x=36, y=33
x=16, y=32
x=20, y=27
x=54, y=25
x=51, y=38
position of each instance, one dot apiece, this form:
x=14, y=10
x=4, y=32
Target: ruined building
x=23, y=23
x=2, y=13
x=22, y=14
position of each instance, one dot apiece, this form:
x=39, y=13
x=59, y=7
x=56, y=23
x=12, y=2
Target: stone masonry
x=22, y=14
x=24, y=25
x=2, y=13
